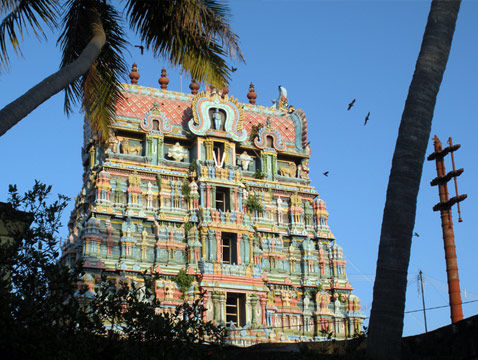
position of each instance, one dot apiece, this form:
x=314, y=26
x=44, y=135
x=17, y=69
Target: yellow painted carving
x=134, y=179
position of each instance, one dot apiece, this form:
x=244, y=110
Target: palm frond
x=193, y=33
x=101, y=86
x=21, y=16
x=101, y=95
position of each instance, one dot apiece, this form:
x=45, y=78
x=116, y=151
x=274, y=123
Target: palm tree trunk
x=386, y=318
x=11, y=114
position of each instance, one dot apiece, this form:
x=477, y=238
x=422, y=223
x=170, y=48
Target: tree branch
x=11, y=114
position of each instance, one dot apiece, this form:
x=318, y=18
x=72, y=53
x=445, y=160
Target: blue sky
x=325, y=53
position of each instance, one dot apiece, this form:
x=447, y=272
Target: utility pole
x=444, y=206
x=420, y=278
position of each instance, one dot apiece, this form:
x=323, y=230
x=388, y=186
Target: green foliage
x=363, y=334
x=192, y=34
x=254, y=131
x=37, y=293
x=100, y=88
x=186, y=190
x=183, y=280
x=193, y=166
x=259, y=174
x=33, y=14
x=44, y=315
x=188, y=226
x=313, y=292
x=253, y=203
x=327, y=333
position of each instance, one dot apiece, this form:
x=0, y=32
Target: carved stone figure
x=149, y=196
x=126, y=148
x=169, y=287
x=112, y=142
x=303, y=169
x=280, y=210
x=296, y=206
x=245, y=160
x=288, y=170
x=194, y=195
x=134, y=180
x=217, y=117
x=178, y=152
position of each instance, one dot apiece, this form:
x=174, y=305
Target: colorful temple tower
x=221, y=189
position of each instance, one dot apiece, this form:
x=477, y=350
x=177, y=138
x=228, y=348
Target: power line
x=439, y=307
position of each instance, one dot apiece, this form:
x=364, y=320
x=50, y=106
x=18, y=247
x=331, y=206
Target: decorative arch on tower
x=208, y=107
x=155, y=121
x=269, y=132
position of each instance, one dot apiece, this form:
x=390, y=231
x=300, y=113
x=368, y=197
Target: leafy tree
x=183, y=280
x=38, y=302
x=44, y=314
x=253, y=203
x=192, y=33
x=386, y=319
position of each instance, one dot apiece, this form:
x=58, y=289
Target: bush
x=44, y=314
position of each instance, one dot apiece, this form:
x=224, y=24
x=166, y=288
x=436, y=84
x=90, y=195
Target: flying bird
x=351, y=104
x=233, y=69
x=141, y=47
x=416, y=234
x=326, y=173
x=366, y=118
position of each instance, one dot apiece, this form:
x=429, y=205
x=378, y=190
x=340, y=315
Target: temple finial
x=163, y=80
x=224, y=92
x=194, y=86
x=134, y=74
x=251, y=95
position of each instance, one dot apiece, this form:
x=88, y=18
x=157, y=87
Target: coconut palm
x=386, y=318
x=194, y=34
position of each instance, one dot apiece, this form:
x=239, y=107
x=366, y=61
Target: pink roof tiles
x=283, y=124
x=137, y=105
x=178, y=112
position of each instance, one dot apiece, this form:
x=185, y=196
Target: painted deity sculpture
x=296, y=207
x=245, y=160
x=217, y=117
x=149, y=196
x=194, y=195
x=303, y=169
x=280, y=210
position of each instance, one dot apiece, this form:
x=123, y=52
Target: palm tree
x=194, y=34
x=386, y=318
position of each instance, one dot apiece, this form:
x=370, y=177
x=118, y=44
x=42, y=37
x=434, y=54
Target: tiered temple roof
x=221, y=189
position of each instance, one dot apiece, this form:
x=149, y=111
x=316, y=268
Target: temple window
x=218, y=154
x=229, y=248
x=236, y=309
x=156, y=124
x=222, y=199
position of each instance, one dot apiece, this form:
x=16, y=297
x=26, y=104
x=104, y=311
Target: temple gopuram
x=220, y=189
